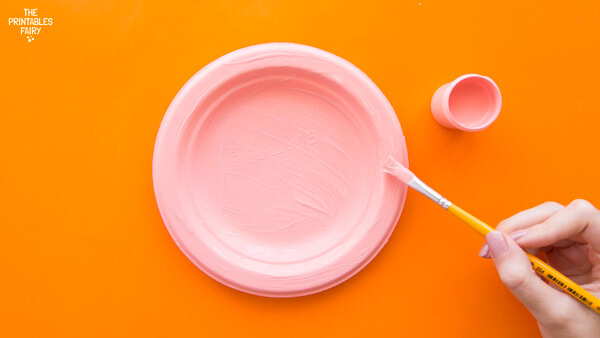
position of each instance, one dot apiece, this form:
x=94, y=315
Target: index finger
x=529, y=217
x=579, y=221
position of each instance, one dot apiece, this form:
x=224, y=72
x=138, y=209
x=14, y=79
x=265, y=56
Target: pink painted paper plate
x=268, y=173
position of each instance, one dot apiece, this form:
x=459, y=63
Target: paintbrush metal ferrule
x=424, y=189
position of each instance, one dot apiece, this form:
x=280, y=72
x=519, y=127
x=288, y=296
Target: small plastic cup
x=470, y=103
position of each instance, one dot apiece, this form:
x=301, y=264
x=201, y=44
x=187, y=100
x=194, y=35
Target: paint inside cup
x=474, y=102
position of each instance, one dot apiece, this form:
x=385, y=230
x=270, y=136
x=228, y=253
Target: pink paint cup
x=470, y=103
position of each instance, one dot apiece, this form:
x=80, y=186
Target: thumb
x=514, y=269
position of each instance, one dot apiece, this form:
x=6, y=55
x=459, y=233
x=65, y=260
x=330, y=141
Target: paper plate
x=268, y=173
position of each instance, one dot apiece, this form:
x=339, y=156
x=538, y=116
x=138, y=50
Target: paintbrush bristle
x=394, y=167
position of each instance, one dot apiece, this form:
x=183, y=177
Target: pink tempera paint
x=472, y=102
x=268, y=172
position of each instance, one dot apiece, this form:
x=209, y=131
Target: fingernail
x=496, y=243
x=517, y=234
x=484, y=252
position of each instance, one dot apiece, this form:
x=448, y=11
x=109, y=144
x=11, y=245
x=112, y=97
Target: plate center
x=292, y=179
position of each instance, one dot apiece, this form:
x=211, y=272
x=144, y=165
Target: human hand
x=570, y=238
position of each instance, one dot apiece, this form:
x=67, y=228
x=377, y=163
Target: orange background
x=84, y=252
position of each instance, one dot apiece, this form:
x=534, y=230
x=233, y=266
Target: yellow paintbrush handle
x=471, y=220
x=540, y=267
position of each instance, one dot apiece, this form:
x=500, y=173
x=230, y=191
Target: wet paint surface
x=267, y=170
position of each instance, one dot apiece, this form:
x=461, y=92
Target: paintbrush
x=396, y=169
